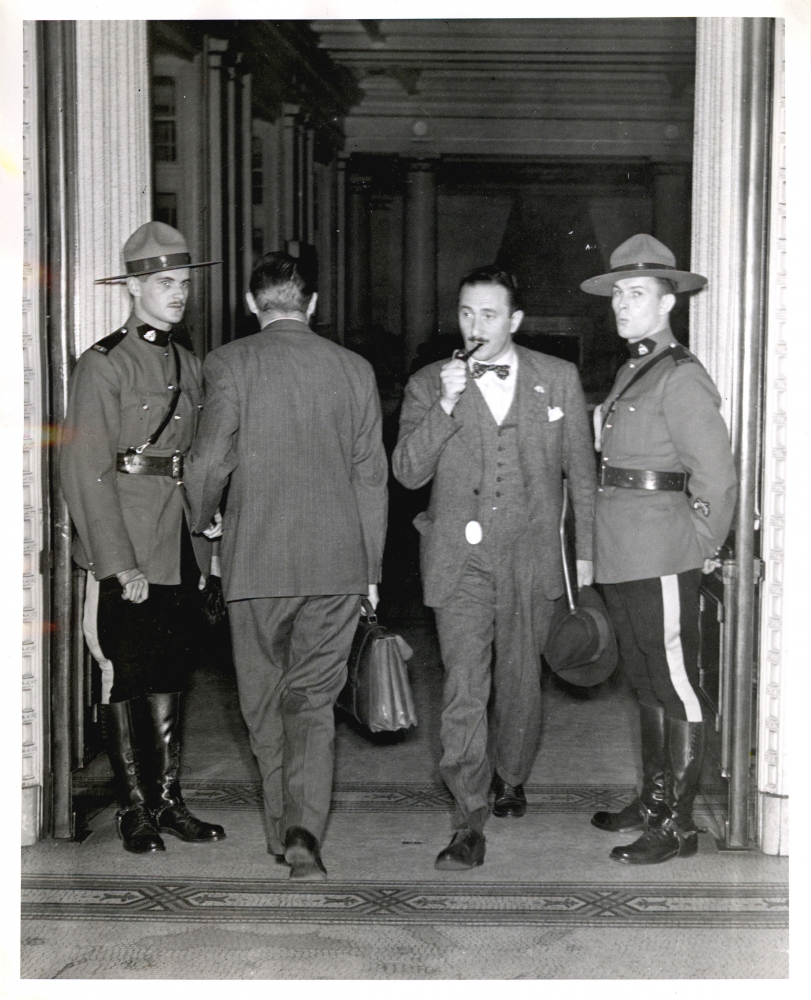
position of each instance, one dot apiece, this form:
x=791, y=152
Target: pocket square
x=555, y=413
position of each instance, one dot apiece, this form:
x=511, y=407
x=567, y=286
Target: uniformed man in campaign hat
x=665, y=502
x=132, y=412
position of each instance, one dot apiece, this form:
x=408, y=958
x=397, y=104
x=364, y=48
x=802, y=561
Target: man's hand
x=585, y=573
x=135, y=584
x=710, y=565
x=374, y=597
x=214, y=530
x=453, y=376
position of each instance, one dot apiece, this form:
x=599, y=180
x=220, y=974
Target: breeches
x=290, y=657
x=151, y=645
x=656, y=624
x=491, y=634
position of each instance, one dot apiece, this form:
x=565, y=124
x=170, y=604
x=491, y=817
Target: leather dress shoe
x=301, y=852
x=627, y=820
x=510, y=799
x=466, y=850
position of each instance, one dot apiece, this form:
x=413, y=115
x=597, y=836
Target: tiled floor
x=546, y=904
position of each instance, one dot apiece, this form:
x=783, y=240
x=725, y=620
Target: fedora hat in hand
x=643, y=256
x=154, y=247
x=580, y=647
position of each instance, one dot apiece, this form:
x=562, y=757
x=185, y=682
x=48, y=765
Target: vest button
x=498, y=480
x=498, y=494
x=475, y=493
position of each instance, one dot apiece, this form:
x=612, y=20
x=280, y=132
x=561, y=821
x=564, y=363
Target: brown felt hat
x=154, y=247
x=644, y=256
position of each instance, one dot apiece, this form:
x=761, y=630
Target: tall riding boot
x=136, y=826
x=171, y=812
x=676, y=836
x=648, y=805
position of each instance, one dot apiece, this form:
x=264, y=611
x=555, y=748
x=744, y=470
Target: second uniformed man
x=665, y=501
x=132, y=412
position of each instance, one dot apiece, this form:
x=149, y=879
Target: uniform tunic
x=118, y=396
x=668, y=421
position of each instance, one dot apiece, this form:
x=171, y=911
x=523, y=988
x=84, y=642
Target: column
x=419, y=256
x=216, y=285
x=729, y=329
x=341, y=192
x=327, y=234
x=288, y=173
x=357, y=251
x=113, y=177
x=783, y=631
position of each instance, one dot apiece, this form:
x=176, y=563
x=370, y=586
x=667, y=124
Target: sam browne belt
x=134, y=462
x=639, y=479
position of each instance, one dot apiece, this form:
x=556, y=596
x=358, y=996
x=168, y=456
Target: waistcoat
x=503, y=502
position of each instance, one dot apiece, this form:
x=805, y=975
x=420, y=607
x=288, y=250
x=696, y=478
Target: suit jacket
x=668, y=421
x=117, y=397
x=448, y=450
x=292, y=422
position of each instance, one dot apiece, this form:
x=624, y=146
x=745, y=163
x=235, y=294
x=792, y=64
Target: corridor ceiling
x=577, y=88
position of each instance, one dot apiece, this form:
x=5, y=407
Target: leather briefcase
x=377, y=691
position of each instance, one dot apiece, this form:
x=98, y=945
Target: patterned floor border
x=399, y=797
x=91, y=897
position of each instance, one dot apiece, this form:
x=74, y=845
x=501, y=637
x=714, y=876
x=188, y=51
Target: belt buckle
x=127, y=460
x=177, y=466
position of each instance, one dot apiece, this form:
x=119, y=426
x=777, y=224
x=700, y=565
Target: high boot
x=676, y=835
x=136, y=826
x=171, y=812
x=648, y=805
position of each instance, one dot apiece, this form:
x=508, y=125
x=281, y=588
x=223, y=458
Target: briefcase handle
x=368, y=611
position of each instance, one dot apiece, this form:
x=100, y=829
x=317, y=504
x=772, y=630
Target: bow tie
x=502, y=371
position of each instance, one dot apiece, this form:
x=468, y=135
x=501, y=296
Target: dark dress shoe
x=510, y=799
x=627, y=820
x=138, y=831
x=279, y=858
x=302, y=853
x=466, y=850
x=658, y=844
x=176, y=819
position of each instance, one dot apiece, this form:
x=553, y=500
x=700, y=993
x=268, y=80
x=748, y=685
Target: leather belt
x=150, y=465
x=639, y=479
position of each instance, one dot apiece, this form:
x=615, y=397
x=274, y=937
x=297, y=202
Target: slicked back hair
x=281, y=283
x=493, y=275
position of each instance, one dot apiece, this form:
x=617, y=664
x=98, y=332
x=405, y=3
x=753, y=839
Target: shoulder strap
x=170, y=409
x=106, y=345
x=678, y=354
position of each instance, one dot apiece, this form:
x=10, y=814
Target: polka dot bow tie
x=479, y=369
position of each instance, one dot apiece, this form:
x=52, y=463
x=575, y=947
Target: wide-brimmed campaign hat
x=581, y=648
x=154, y=247
x=643, y=256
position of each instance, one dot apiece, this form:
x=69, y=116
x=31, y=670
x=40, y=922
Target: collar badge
x=150, y=336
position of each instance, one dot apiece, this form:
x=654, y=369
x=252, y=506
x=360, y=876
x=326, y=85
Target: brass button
x=145, y=406
x=177, y=416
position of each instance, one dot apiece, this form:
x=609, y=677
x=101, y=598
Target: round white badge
x=473, y=532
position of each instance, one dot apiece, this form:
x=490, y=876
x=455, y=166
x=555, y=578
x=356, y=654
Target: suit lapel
x=466, y=412
x=532, y=394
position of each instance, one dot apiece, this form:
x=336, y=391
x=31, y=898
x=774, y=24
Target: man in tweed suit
x=495, y=434
x=292, y=425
